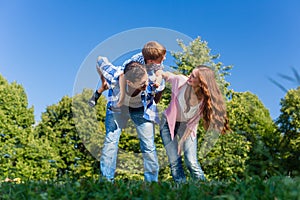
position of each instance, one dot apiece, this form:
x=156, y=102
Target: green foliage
x=36, y=161
x=166, y=97
x=62, y=131
x=22, y=154
x=16, y=121
x=129, y=140
x=227, y=158
x=90, y=122
x=289, y=126
x=249, y=117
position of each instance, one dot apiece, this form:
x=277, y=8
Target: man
x=139, y=106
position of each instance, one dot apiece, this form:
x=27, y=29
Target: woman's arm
x=167, y=75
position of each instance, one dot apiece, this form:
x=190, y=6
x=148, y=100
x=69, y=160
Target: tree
x=228, y=157
x=69, y=136
x=16, y=121
x=249, y=117
x=289, y=126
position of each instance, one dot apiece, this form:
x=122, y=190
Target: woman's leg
x=171, y=147
x=191, y=160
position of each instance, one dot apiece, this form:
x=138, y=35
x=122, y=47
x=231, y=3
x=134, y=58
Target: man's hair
x=153, y=50
x=134, y=71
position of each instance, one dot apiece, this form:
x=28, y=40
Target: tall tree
x=289, y=126
x=249, y=117
x=16, y=121
x=66, y=134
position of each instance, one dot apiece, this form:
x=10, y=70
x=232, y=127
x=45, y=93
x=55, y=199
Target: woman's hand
x=185, y=136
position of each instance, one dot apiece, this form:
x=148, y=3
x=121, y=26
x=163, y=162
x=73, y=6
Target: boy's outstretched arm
x=159, y=78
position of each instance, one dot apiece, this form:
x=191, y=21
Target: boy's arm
x=158, y=75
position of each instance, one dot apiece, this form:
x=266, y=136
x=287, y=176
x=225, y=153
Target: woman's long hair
x=213, y=107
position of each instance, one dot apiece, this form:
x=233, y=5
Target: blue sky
x=43, y=43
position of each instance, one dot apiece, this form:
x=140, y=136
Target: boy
x=152, y=56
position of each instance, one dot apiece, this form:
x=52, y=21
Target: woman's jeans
x=189, y=150
x=114, y=122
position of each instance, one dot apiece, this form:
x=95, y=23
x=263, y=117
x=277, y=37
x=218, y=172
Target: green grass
x=278, y=187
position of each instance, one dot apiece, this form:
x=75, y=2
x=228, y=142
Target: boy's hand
x=119, y=104
x=156, y=85
x=121, y=100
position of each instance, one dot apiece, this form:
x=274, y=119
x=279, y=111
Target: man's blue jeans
x=114, y=122
x=189, y=149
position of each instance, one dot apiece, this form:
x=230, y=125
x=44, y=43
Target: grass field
x=278, y=187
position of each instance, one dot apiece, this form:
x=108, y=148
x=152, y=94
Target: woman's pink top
x=177, y=81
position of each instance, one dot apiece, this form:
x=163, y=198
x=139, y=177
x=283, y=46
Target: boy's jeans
x=114, y=123
x=189, y=149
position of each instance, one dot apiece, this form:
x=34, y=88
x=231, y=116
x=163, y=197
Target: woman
x=193, y=98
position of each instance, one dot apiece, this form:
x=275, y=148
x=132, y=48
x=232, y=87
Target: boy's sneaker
x=93, y=100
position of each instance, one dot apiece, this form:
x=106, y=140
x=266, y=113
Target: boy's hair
x=153, y=50
x=134, y=71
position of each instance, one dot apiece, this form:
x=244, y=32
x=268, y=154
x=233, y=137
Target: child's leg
x=104, y=85
x=93, y=100
x=96, y=95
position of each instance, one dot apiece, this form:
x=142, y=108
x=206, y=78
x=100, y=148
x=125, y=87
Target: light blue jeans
x=189, y=150
x=114, y=122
